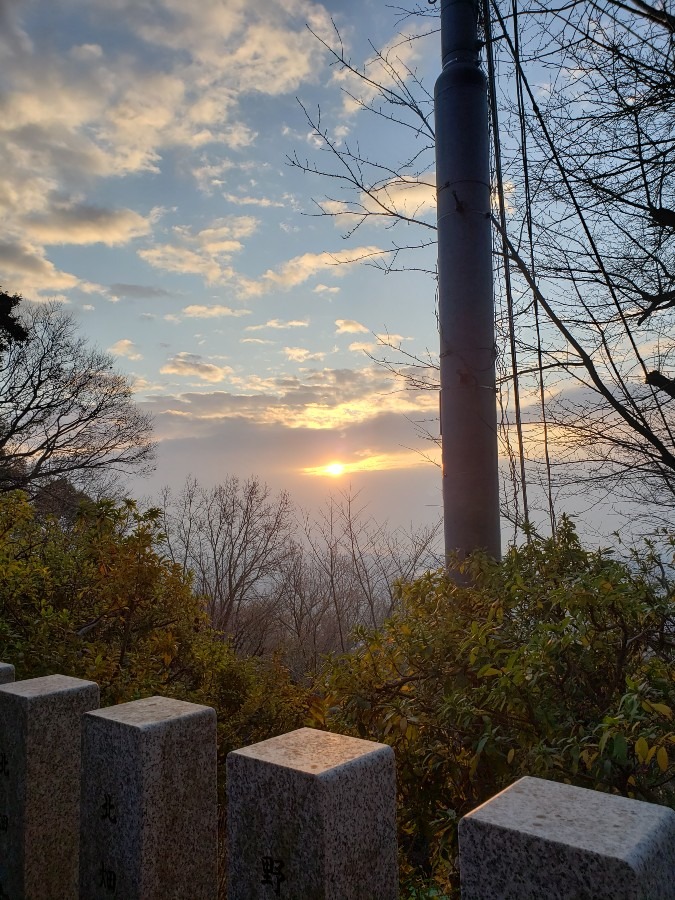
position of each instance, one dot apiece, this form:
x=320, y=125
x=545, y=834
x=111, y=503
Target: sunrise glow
x=380, y=462
x=335, y=469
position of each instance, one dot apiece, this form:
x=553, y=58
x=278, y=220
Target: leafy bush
x=557, y=663
x=98, y=599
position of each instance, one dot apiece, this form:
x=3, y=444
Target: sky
x=144, y=184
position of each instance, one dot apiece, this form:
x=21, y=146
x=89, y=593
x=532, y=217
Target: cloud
x=213, y=312
x=300, y=268
x=205, y=253
x=263, y=47
x=86, y=52
x=162, y=77
x=361, y=347
x=82, y=224
x=26, y=268
x=396, y=61
x=136, y=291
x=190, y=365
x=209, y=175
x=324, y=289
x=315, y=399
x=254, y=341
x=350, y=326
x=125, y=347
x=299, y=354
x=394, y=340
x=278, y=324
x=184, y=261
x=378, y=462
x=412, y=198
x=252, y=201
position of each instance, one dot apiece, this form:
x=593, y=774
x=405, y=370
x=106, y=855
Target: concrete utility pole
x=466, y=304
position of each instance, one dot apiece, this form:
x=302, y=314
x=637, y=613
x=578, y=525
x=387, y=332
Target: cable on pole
x=530, y=235
x=496, y=142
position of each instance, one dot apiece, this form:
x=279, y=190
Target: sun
x=335, y=469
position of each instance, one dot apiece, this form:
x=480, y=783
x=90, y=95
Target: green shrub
x=557, y=663
x=98, y=599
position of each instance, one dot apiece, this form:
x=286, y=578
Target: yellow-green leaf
x=663, y=709
x=641, y=749
x=510, y=755
x=662, y=758
x=489, y=670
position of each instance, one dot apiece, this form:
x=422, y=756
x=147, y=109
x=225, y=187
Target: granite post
x=6, y=673
x=312, y=815
x=544, y=839
x=40, y=721
x=149, y=802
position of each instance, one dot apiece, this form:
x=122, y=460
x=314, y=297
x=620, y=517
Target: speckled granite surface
x=149, y=802
x=312, y=816
x=40, y=722
x=543, y=839
x=6, y=673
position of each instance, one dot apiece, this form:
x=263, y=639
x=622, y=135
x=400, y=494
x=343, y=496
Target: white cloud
x=254, y=341
x=252, y=201
x=213, y=312
x=205, y=253
x=185, y=261
x=324, y=289
x=125, y=347
x=350, y=326
x=300, y=354
x=395, y=61
x=86, y=52
x=299, y=269
x=361, y=347
x=279, y=324
x=412, y=198
x=78, y=113
x=190, y=365
x=82, y=224
x=394, y=339
x=209, y=175
x=26, y=268
x=314, y=399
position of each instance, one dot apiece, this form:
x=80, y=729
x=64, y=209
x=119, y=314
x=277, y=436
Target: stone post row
x=544, y=839
x=149, y=802
x=40, y=785
x=122, y=803
x=312, y=816
x=118, y=802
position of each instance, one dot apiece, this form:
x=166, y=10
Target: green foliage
x=11, y=328
x=556, y=663
x=98, y=599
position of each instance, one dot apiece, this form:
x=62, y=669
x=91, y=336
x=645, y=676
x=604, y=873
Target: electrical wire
x=496, y=141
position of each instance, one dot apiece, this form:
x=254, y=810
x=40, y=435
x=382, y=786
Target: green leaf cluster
x=98, y=599
x=556, y=662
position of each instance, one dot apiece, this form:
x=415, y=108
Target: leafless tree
x=277, y=581
x=582, y=97
x=64, y=411
x=343, y=573
x=234, y=538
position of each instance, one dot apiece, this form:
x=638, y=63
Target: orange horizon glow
x=378, y=462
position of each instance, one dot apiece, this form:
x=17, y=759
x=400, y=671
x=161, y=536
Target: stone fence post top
x=151, y=711
x=312, y=751
x=48, y=684
x=571, y=815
